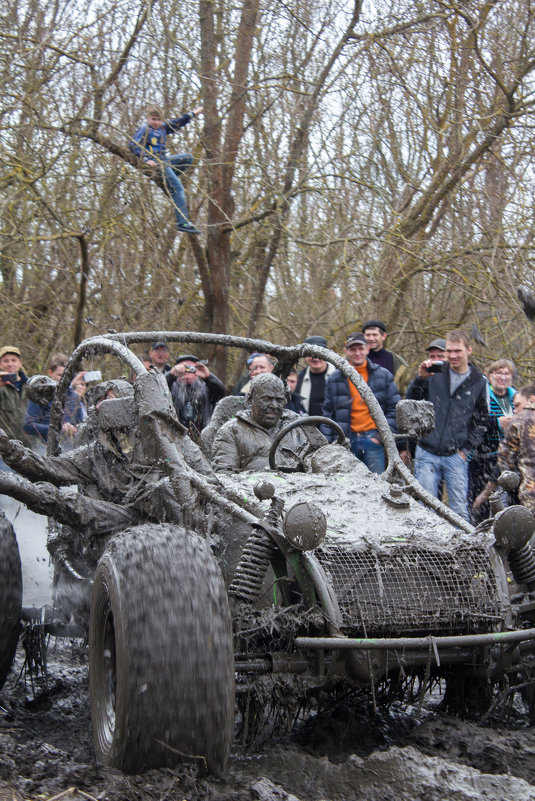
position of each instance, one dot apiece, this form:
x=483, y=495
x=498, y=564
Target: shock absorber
x=259, y=549
x=522, y=564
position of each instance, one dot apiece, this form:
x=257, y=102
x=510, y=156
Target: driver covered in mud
x=122, y=472
x=244, y=442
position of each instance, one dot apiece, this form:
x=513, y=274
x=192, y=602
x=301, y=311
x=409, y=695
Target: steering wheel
x=301, y=421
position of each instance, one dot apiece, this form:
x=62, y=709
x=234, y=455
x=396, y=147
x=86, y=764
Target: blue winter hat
x=316, y=340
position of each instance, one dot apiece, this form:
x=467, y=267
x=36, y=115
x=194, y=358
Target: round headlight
x=305, y=526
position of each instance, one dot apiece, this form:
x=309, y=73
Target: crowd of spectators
x=475, y=434
x=37, y=418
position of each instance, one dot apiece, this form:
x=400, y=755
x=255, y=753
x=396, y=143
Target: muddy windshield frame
x=119, y=344
x=287, y=356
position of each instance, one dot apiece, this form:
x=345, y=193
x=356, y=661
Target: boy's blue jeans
x=175, y=166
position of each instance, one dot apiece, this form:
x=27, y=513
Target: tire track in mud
x=46, y=753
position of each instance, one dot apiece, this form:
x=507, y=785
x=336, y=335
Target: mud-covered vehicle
x=220, y=600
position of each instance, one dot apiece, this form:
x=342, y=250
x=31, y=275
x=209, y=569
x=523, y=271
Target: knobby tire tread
x=178, y=634
x=10, y=597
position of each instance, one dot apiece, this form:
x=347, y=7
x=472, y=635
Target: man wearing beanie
x=375, y=333
x=311, y=380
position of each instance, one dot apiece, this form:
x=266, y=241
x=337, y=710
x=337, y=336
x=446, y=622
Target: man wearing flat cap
x=375, y=334
x=195, y=392
x=344, y=404
x=311, y=380
x=13, y=401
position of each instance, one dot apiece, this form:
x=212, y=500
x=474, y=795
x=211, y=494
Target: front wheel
x=10, y=596
x=161, y=665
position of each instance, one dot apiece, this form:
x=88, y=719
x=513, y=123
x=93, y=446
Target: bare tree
x=354, y=162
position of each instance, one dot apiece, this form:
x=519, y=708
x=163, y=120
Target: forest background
x=354, y=160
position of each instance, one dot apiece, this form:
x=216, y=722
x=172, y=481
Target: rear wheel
x=161, y=665
x=10, y=596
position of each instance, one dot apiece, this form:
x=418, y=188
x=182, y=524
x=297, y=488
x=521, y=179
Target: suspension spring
x=253, y=565
x=522, y=564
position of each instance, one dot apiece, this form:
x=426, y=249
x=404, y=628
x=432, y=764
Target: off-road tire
x=161, y=663
x=10, y=596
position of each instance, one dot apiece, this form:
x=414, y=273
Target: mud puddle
x=46, y=753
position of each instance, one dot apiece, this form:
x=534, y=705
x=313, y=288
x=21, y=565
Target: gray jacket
x=241, y=444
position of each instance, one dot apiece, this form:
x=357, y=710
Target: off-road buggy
x=265, y=588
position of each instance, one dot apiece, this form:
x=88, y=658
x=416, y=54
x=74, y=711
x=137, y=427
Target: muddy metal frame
x=307, y=566
x=396, y=471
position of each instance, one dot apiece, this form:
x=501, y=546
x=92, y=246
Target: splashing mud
x=31, y=531
x=344, y=754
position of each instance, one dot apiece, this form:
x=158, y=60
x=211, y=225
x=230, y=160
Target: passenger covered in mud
x=122, y=472
x=244, y=442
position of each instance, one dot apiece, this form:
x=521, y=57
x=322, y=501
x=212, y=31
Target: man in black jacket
x=459, y=395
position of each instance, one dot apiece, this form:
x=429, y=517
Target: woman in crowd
x=37, y=418
x=500, y=375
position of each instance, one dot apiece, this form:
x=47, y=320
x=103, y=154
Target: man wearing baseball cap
x=344, y=405
x=13, y=399
x=436, y=350
x=159, y=356
x=375, y=333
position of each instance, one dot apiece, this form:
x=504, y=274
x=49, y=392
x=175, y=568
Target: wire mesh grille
x=412, y=590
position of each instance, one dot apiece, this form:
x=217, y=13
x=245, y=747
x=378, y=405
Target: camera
x=189, y=368
x=436, y=367
x=11, y=377
x=92, y=375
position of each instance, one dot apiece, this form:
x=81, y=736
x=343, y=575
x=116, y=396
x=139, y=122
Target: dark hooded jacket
x=460, y=419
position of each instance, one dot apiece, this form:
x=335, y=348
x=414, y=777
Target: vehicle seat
x=224, y=410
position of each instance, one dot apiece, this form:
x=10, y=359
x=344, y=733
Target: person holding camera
x=195, y=392
x=13, y=399
x=458, y=392
x=37, y=417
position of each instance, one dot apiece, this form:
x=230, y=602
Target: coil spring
x=522, y=564
x=252, y=567
x=255, y=558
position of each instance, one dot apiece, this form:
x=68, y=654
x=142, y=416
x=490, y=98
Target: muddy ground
x=341, y=754
x=46, y=752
